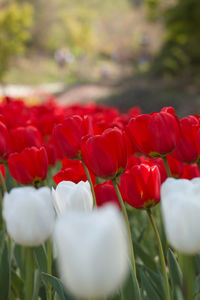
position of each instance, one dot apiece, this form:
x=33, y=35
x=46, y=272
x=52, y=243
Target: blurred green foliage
x=15, y=24
x=76, y=31
x=180, y=51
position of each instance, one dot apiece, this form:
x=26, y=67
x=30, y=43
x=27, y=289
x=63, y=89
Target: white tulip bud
x=71, y=196
x=93, y=251
x=180, y=202
x=29, y=215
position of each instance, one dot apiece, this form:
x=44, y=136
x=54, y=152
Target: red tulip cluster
x=129, y=148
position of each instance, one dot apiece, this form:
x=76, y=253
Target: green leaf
x=17, y=285
x=117, y=297
x=41, y=258
x=197, y=285
x=2, y=239
x=56, y=283
x=37, y=278
x=178, y=294
x=131, y=289
x=4, y=272
x=175, y=273
x=146, y=258
x=157, y=281
x=18, y=257
x=197, y=263
x=148, y=287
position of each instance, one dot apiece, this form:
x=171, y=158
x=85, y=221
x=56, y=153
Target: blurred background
x=116, y=52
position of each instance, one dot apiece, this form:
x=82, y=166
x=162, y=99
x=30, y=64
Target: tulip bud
x=71, y=196
x=29, y=215
x=93, y=255
x=180, y=202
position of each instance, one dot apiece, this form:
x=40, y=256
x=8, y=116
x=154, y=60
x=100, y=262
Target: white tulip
x=93, y=251
x=71, y=196
x=29, y=215
x=180, y=202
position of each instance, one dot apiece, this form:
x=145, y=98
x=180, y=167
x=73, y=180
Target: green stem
x=187, y=266
x=3, y=183
x=91, y=185
x=29, y=280
x=162, y=258
x=49, y=266
x=45, y=182
x=124, y=212
x=167, y=168
x=23, y=256
x=15, y=184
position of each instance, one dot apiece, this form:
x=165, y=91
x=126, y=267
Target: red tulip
x=3, y=171
x=68, y=136
x=23, y=137
x=72, y=170
x=51, y=153
x=156, y=134
x=135, y=160
x=105, y=193
x=191, y=171
x=29, y=166
x=4, y=141
x=105, y=155
x=188, y=147
x=176, y=167
x=140, y=186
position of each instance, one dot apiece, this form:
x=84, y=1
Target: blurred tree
x=77, y=31
x=70, y=24
x=181, y=46
x=15, y=22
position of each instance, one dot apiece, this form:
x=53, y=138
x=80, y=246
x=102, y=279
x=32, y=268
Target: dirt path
x=85, y=93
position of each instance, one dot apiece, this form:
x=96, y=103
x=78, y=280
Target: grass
x=34, y=70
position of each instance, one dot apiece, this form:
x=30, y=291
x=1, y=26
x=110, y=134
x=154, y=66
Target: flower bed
x=81, y=187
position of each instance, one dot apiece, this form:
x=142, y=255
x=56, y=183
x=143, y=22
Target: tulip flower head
x=23, y=137
x=140, y=186
x=105, y=155
x=68, y=136
x=180, y=203
x=71, y=196
x=29, y=215
x=72, y=170
x=93, y=256
x=188, y=147
x=156, y=134
x=105, y=193
x=29, y=166
x=4, y=141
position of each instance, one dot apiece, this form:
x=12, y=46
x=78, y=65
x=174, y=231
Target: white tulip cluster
x=180, y=202
x=92, y=246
